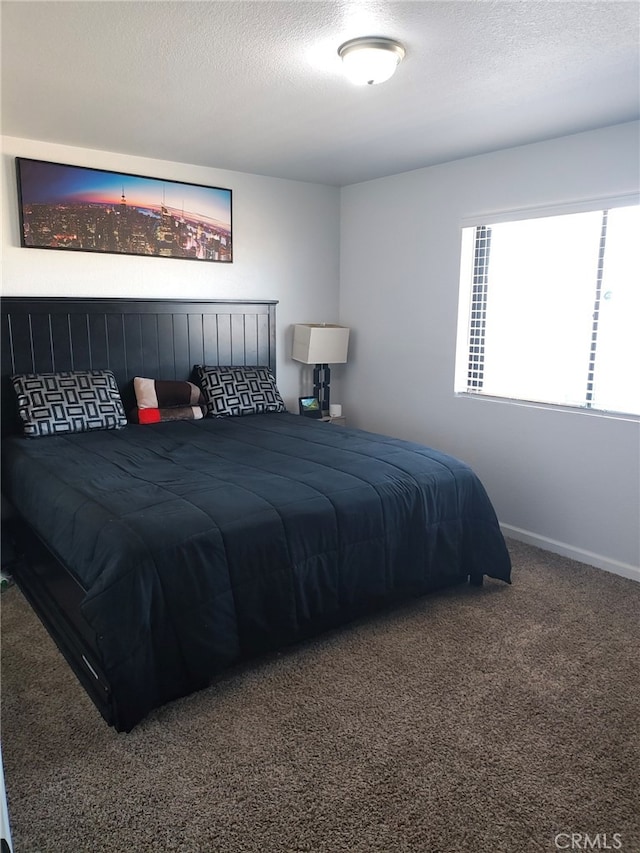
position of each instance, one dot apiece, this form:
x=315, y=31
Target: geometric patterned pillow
x=166, y=400
x=232, y=391
x=71, y=401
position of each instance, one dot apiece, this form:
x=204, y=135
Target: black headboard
x=158, y=338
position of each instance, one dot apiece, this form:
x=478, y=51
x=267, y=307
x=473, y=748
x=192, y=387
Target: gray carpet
x=481, y=720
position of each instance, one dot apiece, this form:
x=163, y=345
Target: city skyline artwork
x=93, y=210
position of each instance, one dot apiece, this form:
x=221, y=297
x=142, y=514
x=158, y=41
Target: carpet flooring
x=498, y=719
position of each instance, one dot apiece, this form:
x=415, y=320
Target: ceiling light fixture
x=371, y=59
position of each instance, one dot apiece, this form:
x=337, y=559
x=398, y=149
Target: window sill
x=550, y=407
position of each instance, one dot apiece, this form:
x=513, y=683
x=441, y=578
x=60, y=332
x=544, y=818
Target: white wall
x=566, y=481
x=286, y=238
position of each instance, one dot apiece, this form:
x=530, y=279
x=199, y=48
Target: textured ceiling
x=257, y=86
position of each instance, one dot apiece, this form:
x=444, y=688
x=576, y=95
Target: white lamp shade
x=320, y=343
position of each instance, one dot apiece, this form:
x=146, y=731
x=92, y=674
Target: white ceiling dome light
x=371, y=59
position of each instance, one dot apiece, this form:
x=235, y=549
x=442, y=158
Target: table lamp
x=320, y=344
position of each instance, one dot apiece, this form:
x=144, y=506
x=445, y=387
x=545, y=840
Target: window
x=550, y=310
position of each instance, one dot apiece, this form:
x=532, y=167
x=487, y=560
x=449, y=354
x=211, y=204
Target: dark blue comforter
x=200, y=543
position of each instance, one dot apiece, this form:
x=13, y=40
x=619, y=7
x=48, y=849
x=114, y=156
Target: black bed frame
x=158, y=338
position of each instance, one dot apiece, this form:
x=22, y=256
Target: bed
x=160, y=554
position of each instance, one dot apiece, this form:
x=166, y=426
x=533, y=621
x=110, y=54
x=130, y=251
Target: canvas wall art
x=75, y=208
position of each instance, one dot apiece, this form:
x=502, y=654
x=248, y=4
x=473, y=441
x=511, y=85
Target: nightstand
x=341, y=421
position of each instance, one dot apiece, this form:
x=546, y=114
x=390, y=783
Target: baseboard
x=626, y=570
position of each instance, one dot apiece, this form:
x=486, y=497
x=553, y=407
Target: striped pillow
x=166, y=400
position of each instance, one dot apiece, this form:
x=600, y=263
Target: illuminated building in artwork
x=123, y=226
x=164, y=232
